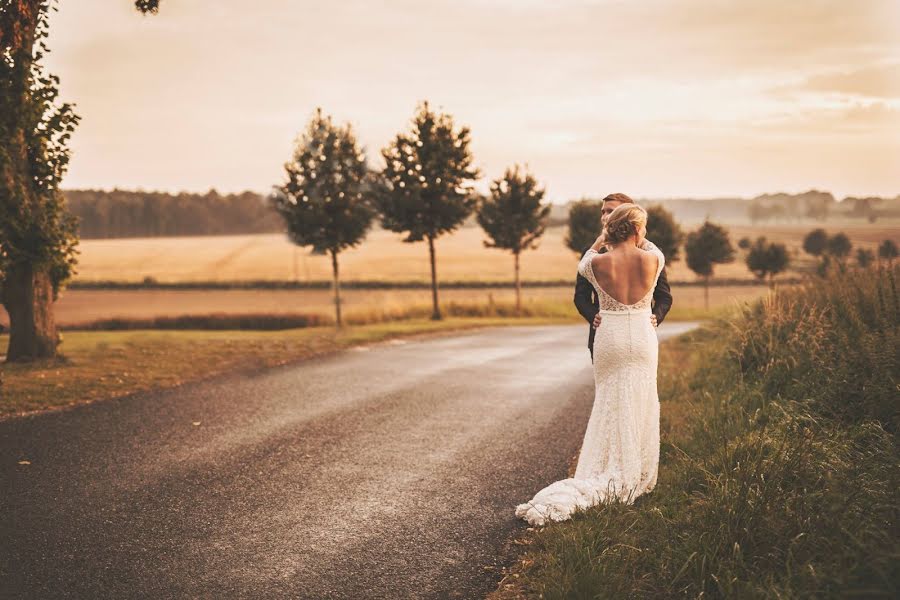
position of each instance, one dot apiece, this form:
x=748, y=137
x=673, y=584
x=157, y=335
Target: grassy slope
x=103, y=364
x=779, y=466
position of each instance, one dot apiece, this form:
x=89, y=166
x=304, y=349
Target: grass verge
x=103, y=364
x=543, y=308
x=779, y=464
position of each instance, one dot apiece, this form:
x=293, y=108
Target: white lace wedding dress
x=620, y=451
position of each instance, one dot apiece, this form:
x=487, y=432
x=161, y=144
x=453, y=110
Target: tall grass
x=779, y=471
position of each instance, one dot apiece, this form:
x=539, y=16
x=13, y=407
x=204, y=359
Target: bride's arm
x=584, y=266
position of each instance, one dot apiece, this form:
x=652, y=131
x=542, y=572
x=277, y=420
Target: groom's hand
x=596, y=322
x=653, y=320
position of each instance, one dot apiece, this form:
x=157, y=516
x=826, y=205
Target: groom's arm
x=662, y=297
x=584, y=297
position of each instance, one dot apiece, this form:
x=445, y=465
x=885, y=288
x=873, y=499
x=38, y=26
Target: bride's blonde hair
x=624, y=222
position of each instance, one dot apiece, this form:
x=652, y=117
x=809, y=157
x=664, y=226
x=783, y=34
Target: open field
x=84, y=306
x=384, y=257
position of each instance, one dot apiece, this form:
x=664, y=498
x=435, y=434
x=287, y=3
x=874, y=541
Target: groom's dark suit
x=588, y=304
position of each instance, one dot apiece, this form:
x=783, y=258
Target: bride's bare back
x=625, y=272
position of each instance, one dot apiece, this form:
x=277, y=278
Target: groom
x=586, y=300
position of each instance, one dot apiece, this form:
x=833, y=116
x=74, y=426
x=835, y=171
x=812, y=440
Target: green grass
x=779, y=463
x=532, y=308
x=103, y=364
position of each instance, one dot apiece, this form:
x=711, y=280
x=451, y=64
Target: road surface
x=387, y=471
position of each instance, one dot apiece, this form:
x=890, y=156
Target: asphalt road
x=388, y=471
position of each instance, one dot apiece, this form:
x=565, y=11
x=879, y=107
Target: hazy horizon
x=660, y=99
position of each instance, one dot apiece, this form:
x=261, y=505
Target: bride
x=620, y=452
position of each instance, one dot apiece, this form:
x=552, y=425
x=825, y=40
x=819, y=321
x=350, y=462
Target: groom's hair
x=618, y=197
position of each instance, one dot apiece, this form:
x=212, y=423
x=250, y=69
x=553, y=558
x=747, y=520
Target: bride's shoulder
x=652, y=255
x=592, y=261
x=650, y=248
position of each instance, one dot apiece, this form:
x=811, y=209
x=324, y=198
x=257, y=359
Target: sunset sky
x=655, y=98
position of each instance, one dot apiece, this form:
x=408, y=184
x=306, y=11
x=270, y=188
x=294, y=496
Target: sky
x=654, y=98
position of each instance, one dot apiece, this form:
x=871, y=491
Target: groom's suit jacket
x=588, y=304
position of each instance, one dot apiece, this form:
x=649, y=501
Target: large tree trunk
x=27, y=291
x=518, y=288
x=436, y=312
x=337, y=289
x=28, y=298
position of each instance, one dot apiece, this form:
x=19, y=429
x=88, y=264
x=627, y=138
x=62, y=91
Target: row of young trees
x=331, y=196
x=837, y=248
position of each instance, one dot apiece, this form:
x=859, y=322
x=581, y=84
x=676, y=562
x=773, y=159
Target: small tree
x=426, y=186
x=663, y=230
x=706, y=247
x=584, y=224
x=815, y=242
x=864, y=257
x=325, y=201
x=888, y=251
x=744, y=243
x=839, y=247
x=514, y=217
x=767, y=259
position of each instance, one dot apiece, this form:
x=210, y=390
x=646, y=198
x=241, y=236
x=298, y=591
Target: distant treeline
x=809, y=207
x=122, y=213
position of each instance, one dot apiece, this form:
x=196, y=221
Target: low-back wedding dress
x=620, y=452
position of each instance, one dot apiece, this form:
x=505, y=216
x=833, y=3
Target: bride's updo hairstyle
x=624, y=222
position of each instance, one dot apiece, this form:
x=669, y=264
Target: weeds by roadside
x=779, y=467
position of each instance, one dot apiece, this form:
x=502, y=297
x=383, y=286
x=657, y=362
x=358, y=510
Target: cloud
x=877, y=81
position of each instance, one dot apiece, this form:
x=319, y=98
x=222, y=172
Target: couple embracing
x=623, y=293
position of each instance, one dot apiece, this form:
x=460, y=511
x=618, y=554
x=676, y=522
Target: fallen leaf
x=195, y=423
x=24, y=462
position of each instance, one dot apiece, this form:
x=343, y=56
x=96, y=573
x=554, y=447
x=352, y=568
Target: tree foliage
x=584, y=224
x=864, y=257
x=36, y=231
x=887, y=250
x=839, y=246
x=514, y=216
x=38, y=236
x=706, y=247
x=427, y=178
x=326, y=199
x=147, y=6
x=426, y=185
x=767, y=259
x=664, y=232
x=815, y=242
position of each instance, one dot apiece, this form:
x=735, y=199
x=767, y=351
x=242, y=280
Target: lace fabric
x=620, y=452
x=607, y=302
